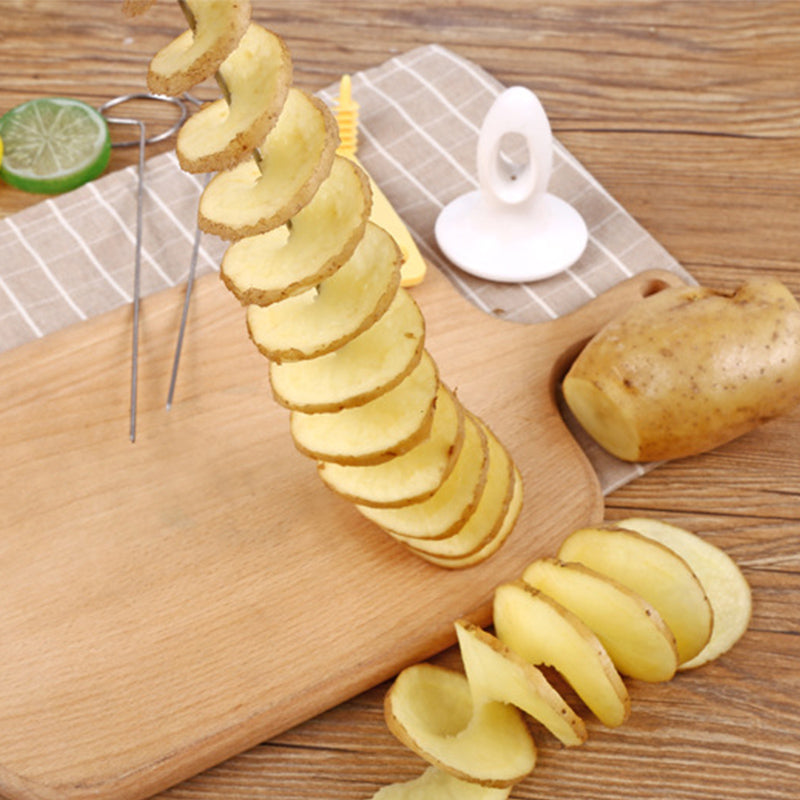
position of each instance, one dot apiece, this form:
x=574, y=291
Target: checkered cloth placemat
x=70, y=257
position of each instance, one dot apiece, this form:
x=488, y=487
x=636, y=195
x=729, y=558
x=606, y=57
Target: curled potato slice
x=323, y=287
x=655, y=572
x=488, y=514
x=446, y=511
x=726, y=588
x=257, y=74
x=495, y=672
x=430, y=709
x=328, y=316
x=194, y=56
x=436, y=784
x=409, y=477
x=359, y=371
x=490, y=547
x=272, y=266
x=635, y=637
x=542, y=631
x=256, y=197
x=376, y=431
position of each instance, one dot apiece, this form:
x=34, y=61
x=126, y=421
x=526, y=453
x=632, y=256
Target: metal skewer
x=220, y=80
x=184, y=315
x=188, y=294
x=141, y=142
x=198, y=234
x=137, y=280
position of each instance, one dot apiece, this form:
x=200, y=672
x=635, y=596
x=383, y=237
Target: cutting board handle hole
x=653, y=286
x=642, y=286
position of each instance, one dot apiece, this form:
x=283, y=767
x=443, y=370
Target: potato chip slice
x=429, y=709
x=359, y=371
x=341, y=307
x=194, y=56
x=495, y=672
x=376, y=431
x=272, y=266
x=412, y=476
x=488, y=515
x=257, y=74
x=542, y=631
x=436, y=784
x=726, y=588
x=494, y=544
x=652, y=570
x=446, y=511
x=255, y=197
x=635, y=637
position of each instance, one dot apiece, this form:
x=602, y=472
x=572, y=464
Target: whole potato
x=688, y=369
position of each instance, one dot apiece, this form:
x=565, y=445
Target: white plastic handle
x=516, y=111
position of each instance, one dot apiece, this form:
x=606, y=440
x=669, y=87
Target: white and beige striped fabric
x=71, y=257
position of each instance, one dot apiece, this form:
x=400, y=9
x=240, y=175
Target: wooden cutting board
x=170, y=603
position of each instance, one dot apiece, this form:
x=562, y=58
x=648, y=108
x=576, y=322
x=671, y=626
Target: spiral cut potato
x=322, y=286
x=217, y=27
x=640, y=599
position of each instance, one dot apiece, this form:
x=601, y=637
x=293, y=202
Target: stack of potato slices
x=321, y=284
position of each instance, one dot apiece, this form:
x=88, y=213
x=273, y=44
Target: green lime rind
x=53, y=145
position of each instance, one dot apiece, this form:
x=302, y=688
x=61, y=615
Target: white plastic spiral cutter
x=512, y=229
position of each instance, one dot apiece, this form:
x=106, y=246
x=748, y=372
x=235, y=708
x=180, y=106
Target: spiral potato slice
x=376, y=431
x=633, y=633
x=272, y=266
x=543, y=632
x=725, y=586
x=445, y=512
x=490, y=547
x=361, y=370
x=412, y=476
x=429, y=708
x=487, y=516
x=194, y=56
x=655, y=572
x=436, y=784
x=257, y=74
x=495, y=672
x=337, y=310
x=254, y=197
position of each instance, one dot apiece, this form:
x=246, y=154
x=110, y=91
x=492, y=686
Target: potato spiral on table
x=641, y=599
x=321, y=283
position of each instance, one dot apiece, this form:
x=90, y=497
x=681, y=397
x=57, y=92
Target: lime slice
x=53, y=144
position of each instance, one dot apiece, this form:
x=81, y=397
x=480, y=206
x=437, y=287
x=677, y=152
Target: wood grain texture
x=687, y=112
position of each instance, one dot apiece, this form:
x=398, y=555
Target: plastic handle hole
x=512, y=171
x=514, y=157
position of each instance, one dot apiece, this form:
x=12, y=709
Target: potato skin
x=688, y=369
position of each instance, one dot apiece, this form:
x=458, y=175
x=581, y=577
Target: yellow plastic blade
x=383, y=213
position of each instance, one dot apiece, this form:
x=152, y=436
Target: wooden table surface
x=687, y=112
